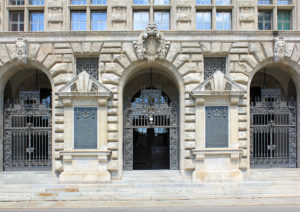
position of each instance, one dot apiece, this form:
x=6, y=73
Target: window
x=223, y=20
x=223, y=2
x=36, y=2
x=98, y=20
x=203, y=2
x=78, y=2
x=140, y=20
x=140, y=1
x=203, y=20
x=283, y=20
x=162, y=19
x=78, y=20
x=90, y=65
x=16, y=21
x=264, y=2
x=283, y=2
x=212, y=64
x=36, y=21
x=161, y=2
x=99, y=2
x=16, y=2
x=264, y=20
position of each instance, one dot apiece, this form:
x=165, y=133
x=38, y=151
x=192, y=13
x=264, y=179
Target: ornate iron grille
x=273, y=131
x=150, y=110
x=90, y=65
x=27, y=133
x=212, y=64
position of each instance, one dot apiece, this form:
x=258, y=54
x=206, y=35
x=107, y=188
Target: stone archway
x=151, y=103
x=27, y=111
x=273, y=122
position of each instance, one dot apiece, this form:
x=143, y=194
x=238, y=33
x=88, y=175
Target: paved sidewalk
x=289, y=208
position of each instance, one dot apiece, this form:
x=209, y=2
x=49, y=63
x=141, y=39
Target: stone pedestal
x=217, y=165
x=85, y=167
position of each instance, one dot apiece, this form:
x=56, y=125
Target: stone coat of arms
x=151, y=44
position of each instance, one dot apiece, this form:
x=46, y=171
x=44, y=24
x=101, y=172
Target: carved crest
x=151, y=44
x=279, y=49
x=22, y=50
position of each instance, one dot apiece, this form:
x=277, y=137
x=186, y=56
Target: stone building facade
x=212, y=103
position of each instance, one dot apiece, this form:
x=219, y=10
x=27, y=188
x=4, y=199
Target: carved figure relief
x=151, y=44
x=279, y=49
x=22, y=50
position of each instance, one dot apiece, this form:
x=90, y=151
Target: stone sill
x=200, y=153
x=86, y=152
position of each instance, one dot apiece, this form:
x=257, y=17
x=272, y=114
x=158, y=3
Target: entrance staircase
x=147, y=189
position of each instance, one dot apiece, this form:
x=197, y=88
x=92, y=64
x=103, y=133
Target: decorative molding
x=279, y=48
x=151, y=44
x=22, y=50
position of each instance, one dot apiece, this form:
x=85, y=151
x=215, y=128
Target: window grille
x=90, y=65
x=212, y=64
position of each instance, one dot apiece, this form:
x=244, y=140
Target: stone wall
x=116, y=56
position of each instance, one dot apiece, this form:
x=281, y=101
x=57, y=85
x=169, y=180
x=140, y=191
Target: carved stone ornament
x=151, y=44
x=279, y=49
x=22, y=50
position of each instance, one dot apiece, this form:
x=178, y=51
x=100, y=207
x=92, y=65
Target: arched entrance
x=273, y=119
x=150, y=122
x=27, y=121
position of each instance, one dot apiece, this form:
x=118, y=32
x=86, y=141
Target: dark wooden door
x=151, y=148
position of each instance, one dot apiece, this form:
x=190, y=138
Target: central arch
x=166, y=86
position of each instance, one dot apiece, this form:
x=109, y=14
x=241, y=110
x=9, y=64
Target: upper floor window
x=203, y=20
x=284, y=20
x=99, y=2
x=98, y=20
x=78, y=20
x=36, y=21
x=78, y=2
x=36, y=2
x=16, y=21
x=284, y=2
x=203, y=2
x=140, y=1
x=17, y=2
x=264, y=20
x=161, y=2
x=140, y=20
x=223, y=2
x=264, y=2
x=223, y=20
x=162, y=19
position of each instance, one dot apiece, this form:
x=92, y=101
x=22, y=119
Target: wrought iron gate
x=150, y=110
x=273, y=131
x=27, y=133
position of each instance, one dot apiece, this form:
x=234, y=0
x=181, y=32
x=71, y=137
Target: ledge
x=200, y=153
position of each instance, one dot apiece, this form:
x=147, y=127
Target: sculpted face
x=21, y=51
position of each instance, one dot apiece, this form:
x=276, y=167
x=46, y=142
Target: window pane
x=98, y=20
x=140, y=1
x=223, y=2
x=99, y=2
x=283, y=2
x=37, y=21
x=37, y=2
x=161, y=18
x=265, y=2
x=223, y=21
x=161, y=2
x=17, y=2
x=264, y=20
x=283, y=20
x=16, y=21
x=78, y=20
x=203, y=20
x=203, y=2
x=78, y=2
x=140, y=20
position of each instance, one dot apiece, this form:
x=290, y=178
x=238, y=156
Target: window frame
x=30, y=21
x=203, y=23
x=162, y=11
x=10, y=22
x=271, y=22
x=224, y=12
x=99, y=22
x=80, y=12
